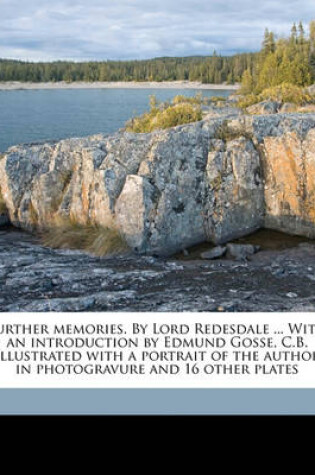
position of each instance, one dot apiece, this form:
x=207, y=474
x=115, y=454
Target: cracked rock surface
x=34, y=278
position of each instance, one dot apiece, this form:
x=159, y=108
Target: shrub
x=176, y=115
x=283, y=94
x=98, y=240
x=246, y=101
x=215, y=99
x=165, y=117
x=183, y=110
x=198, y=99
x=287, y=93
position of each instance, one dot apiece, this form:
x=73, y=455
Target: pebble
x=306, y=245
x=291, y=295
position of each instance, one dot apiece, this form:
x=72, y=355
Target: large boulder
x=215, y=180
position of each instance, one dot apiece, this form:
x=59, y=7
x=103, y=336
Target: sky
x=139, y=29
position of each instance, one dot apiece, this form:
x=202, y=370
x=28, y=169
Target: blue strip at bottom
x=157, y=401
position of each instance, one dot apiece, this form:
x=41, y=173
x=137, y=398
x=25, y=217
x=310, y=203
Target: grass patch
x=181, y=111
x=198, y=99
x=97, y=240
x=216, y=99
x=3, y=207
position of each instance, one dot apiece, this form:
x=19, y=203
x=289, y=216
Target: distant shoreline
x=14, y=86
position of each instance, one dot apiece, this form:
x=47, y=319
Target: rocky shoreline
x=212, y=182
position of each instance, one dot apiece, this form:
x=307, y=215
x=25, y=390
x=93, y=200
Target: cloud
x=125, y=29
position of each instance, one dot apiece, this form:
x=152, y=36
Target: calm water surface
x=39, y=115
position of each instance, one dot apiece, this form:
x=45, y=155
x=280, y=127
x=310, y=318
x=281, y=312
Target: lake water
x=38, y=115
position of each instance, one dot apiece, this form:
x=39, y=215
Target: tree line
x=288, y=60
x=214, y=69
x=284, y=60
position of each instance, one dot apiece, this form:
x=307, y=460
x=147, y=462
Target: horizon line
x=154, y=58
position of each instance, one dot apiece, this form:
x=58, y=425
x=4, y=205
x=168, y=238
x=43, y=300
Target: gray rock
x=311, y=89
x=291, y=295
x=241, y=251
x=306, y=245
x=214, y=253
x=264, y=108
x=215, y=180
